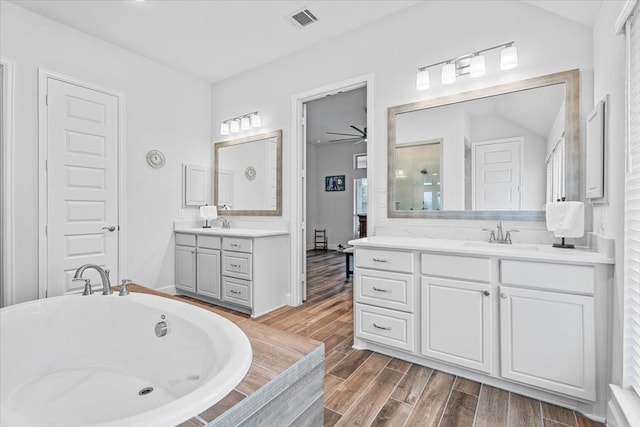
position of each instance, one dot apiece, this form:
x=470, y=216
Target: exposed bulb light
x=422, y=80
x=244, y=123
x=256, y=122
x=224, y=128
x=508, y=57
x=448, y=73
x=235, y=126
x=477, y=67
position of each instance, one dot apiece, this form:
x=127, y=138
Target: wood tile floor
x=363, y=388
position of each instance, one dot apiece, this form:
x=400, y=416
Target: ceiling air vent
x=302, y=18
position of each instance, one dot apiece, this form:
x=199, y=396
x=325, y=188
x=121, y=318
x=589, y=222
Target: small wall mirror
x=248, y=175
x=496, y=153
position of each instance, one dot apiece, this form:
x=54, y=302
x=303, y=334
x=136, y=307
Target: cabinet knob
x=503, y=295
x=486, y=293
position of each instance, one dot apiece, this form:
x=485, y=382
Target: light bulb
x=235, y=126
x=448, y=73
x=422, y=80
x=224, y=128
x=477, y=68
x=244, y=123
x=508, y=58
x=255, y=121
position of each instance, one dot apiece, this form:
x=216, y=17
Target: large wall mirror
x=497, y=153
x=248, y=175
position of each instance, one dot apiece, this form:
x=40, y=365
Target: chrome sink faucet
x=104, y=276
x=497, y=236
x=226, y=224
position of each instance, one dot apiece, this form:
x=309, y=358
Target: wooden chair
x=321, y=240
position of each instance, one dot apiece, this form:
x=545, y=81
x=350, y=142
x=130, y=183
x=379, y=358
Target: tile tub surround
x=284, y=385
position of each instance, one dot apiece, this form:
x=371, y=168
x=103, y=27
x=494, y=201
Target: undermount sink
x=521, y=247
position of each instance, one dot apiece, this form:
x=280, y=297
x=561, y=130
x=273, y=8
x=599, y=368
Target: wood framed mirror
x=500, y=152
x=248, y=175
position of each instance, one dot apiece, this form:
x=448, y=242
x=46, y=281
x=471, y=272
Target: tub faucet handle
x=87, y=285
x=123, y=287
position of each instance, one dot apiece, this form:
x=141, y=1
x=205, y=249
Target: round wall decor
x=250, y=173
x=155, y=159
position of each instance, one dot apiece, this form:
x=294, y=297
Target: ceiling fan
x=361, y=136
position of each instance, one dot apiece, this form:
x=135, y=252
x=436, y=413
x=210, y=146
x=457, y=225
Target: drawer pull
x=235, y=265
x=388, y=291
x=234, y=292
x=381, y=260
x=382, y=327
x=235, y=245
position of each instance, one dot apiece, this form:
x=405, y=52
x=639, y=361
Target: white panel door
x=186, y=268
x=456, y=322
x=208, y=273
x=548, y=340
x=496, y=174
x=82, y=184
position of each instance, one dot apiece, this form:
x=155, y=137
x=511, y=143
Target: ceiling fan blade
x=344, y=139
x=363, y=132
x=362, y=140
x=345, y=134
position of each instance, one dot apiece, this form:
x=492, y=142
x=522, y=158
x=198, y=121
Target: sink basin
x=521, y=247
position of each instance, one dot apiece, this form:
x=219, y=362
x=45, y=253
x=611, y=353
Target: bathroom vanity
x=241, y=269
x=527, y=318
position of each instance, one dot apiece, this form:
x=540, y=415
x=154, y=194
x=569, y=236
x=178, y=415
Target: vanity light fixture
x=471, y=64
x=235, y=126
x=242, y=122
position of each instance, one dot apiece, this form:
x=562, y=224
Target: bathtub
x=99, y=361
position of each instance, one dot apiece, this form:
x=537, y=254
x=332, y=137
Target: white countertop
x=516, y=250
x=232, y=232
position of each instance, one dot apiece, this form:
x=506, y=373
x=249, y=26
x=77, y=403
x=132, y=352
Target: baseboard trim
x=624, y=408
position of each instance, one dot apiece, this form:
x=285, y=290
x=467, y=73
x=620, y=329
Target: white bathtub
x=82, y=361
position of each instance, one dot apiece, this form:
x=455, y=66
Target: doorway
x=80, y=191
x=310, y=177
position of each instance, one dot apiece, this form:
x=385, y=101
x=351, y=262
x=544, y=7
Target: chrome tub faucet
x=104, y=276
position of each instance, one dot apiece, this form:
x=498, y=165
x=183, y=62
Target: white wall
x=164, y=109
x=608, y=218
x=391, y=50
x=331, y=210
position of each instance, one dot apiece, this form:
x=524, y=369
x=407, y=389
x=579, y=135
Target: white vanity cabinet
x=547, y=327
x=198, y=264
x=384, y=298
x=534, y=321
x=243, y=270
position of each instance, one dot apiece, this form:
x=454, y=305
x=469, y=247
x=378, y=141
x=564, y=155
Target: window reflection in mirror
x=418, y=175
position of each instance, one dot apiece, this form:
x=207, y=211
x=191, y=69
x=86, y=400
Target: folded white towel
x=565, y=219
x=208, y=212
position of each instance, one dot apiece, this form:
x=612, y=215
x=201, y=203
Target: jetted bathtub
x=104, y=361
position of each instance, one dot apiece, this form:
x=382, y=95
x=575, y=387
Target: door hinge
x=46, y=100
x=46, y=230
x=46, y=165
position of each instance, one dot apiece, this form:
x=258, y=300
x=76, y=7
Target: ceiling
x=213, y=40
x=335, y=113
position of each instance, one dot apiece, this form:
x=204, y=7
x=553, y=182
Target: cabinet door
x=456, y=322
x=548, y=340
x=208, y=272
x=186, y=268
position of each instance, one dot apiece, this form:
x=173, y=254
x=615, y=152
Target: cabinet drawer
x=236, y=265
x=237, y=244
x=384, y=260
x=185, y=239
x=457, y=267
x=387, y=327
x=384, y=289
x=544, y=275
x=236, y=291
x=209, y=242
